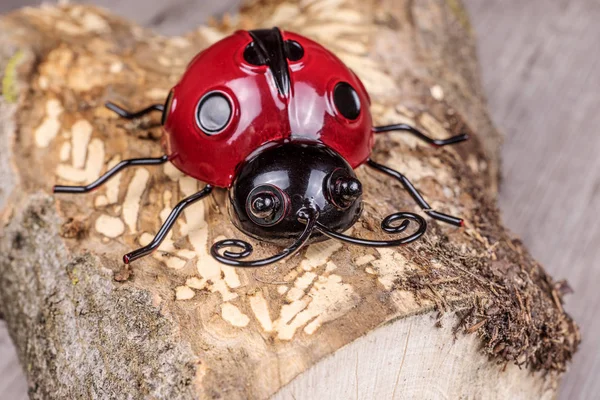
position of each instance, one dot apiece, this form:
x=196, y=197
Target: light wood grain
x=540, y=62
x=413, y=377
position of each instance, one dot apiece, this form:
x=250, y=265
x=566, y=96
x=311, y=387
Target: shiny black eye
x=266, y=205
x=293, y=50
x=213, y=113
x=252, y=56
x=346, y=100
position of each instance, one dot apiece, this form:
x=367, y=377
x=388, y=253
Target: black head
x=275, y=184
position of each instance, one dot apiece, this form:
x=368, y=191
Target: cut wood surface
x=180, y=325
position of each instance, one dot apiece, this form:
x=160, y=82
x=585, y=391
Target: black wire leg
x=109, y=174
x=308, y=215
x=132, y=115
x=166, y=227
x=421, y=135
x=449, y=219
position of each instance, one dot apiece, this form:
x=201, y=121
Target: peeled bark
x=450, y=315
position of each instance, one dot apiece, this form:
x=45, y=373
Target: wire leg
x=132, y=115
x=449, y=219
x=109, y=174
x=421, y=135
x=166, y=227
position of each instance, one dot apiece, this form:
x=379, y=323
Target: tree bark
x=462, y=312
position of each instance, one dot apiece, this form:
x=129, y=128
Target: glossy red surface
x=260, y=113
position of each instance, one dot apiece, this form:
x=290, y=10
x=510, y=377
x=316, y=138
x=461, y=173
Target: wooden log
x=463, y=312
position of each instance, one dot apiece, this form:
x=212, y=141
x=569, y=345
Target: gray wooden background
x=541, y=67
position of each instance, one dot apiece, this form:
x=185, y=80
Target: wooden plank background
x=541, y=67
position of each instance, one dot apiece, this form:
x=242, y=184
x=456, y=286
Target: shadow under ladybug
x=282, y=123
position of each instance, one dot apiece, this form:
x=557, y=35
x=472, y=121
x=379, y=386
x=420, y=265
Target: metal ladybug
x=282, y=123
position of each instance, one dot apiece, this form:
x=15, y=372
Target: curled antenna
x=388, y=225
x=394, y=224
x=307, y=215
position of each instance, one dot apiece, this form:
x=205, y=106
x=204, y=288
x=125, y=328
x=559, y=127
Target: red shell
x=260, y=113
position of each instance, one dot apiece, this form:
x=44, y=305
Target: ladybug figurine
x=282, y=123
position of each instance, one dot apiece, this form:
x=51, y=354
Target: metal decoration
x=282, y=123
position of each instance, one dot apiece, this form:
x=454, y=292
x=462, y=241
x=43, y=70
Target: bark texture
x=178, y=324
